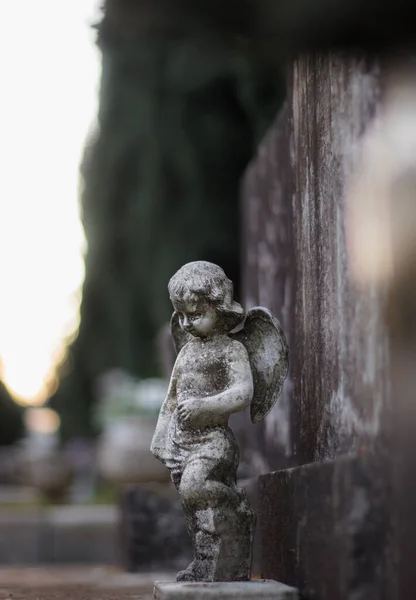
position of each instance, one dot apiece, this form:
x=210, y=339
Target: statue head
x=202, y=295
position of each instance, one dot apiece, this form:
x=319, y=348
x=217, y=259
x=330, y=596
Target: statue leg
x=221, y=518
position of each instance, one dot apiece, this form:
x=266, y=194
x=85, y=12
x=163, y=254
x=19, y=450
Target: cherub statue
x=226, y=362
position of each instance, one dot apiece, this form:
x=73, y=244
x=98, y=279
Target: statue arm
x=239, y=393
x=160, y=436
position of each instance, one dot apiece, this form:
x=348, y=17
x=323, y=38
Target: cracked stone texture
x=335, y=399
x=327, y=525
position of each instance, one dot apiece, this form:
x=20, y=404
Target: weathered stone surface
x=296, y=263
x=268, y=276
x=227, y=361
x=252, y=590
x=251, y=488
x=327, y=528
x=341, y=388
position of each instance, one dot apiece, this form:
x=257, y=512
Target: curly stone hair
x=201, y=279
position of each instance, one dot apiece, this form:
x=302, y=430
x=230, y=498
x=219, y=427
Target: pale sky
x=49, y=70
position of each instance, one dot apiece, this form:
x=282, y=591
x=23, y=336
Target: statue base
x=230, y=590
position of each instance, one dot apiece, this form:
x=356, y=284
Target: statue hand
x=192, y=412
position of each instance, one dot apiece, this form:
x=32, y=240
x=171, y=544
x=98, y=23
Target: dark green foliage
x=11, y=418
x=180, y=116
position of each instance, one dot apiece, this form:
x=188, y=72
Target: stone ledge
x=252, y=590
x=327, y=528
x=65, y=534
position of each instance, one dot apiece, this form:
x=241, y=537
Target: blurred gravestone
x=153, y=534
x=80, y=454
x=126, y=413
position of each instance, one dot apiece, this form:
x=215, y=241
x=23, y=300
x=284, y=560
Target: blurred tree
x=11, y=418
x=182, y=109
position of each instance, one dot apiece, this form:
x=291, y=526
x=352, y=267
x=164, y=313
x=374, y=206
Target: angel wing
x=268, y=353
x=180, y=337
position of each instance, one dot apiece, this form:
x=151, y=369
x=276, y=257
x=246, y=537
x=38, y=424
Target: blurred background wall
x=182, y=106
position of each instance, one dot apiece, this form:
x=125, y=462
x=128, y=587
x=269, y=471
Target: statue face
x=196, y=317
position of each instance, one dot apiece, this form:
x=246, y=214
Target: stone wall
x=327, y=522
x=296, y=263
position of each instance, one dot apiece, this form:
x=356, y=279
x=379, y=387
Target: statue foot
x=188, y=574
x=197, y=571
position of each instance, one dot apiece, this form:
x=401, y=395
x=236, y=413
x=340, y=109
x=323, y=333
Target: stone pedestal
x=223, y=540
x=252, y=590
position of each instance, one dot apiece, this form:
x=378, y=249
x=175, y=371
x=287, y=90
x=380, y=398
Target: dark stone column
x=327, y=525
x=268, y=275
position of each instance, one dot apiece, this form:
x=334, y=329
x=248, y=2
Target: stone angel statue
x=227, y=361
